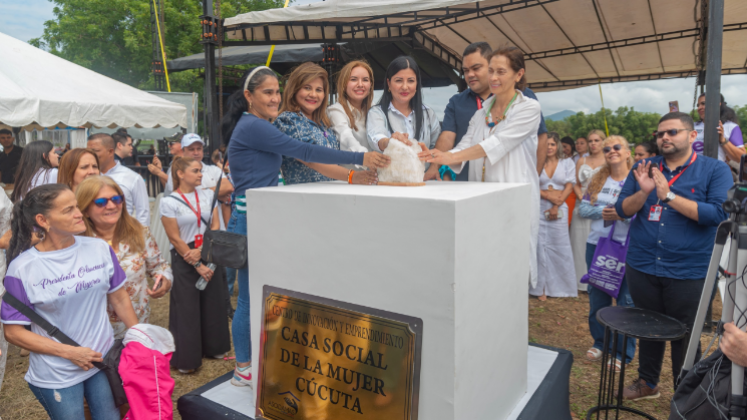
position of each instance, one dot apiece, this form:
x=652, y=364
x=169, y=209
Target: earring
x=250, y=105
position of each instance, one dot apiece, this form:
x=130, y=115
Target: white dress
x=511, y=149
x=556, y=274
x=581, y=226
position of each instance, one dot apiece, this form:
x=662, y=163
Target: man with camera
x=676, y=198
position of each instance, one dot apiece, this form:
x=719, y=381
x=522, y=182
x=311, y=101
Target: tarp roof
x=567, y=43
x=41, y=90
x=434, y=72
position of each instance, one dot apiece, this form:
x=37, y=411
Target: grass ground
x=558, y=323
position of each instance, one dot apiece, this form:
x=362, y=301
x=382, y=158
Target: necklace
x=489, y=117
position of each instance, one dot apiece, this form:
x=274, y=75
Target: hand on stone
x=403, y=137
x=365, y=177
x=432, y=173
x=376, y=160
x=436, y=156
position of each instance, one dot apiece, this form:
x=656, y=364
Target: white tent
x=41, y=90
x=566, y=43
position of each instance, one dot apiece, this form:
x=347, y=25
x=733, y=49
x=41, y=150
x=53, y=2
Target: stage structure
x=567, y=43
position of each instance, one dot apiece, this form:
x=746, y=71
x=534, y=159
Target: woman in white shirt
x=501, y=140
x=37, y=166
x=400, y=112
x=197, y=318
x=348, y=115
x=598, y=206
x=731, y=141
x=556, y=274
x=68, y=280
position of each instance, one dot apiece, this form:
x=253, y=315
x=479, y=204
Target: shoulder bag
x=110, y=365
x=223, y=248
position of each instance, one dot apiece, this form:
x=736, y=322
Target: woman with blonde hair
x=77, y=165
x=598, y=207
x=101, y=201
x=303, y=116
x=586, y=167
x=556, y=275
x=354, y=99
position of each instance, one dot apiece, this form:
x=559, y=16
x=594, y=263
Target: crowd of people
x=88, y=213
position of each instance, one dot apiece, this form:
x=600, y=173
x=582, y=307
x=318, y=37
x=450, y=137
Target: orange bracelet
x=350, y=176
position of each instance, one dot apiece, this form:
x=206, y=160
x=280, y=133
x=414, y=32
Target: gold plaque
x=324, y=359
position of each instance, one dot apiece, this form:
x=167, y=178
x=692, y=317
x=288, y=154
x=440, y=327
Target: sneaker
x=639, y=390
x=242, y=378
x=187, y=371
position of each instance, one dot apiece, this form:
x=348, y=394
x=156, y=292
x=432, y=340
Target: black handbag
x=223, y=248
x=110, y=366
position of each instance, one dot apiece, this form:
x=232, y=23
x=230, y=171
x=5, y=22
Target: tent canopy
x=566, y=43
x=41, y=90
x=434, y=72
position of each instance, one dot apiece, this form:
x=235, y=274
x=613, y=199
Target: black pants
x=197, y=319
x=676, y=298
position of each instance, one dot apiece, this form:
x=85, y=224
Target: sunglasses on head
x=673, y=132
x=101, y=202
x=608, y=149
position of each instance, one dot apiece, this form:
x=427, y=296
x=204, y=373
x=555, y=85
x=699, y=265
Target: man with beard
x=676, y=198
x=463, y=106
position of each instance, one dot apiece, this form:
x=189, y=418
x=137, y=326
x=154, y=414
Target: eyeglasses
x=671, y=133
x=101, y=202
x=608, y=149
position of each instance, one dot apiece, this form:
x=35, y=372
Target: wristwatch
x=199, y=263
x=723, y=142
x=670, y=196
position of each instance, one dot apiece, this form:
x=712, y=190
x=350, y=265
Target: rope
x=272, y=49
x=163, y=52
x=604, y=113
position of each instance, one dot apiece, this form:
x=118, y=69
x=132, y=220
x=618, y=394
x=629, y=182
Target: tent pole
x=209, y=98
x=713, y=76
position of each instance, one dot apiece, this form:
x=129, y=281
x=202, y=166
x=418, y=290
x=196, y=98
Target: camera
x=736, y=197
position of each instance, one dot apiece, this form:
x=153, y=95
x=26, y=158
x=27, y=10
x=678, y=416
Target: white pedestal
x=454, y=254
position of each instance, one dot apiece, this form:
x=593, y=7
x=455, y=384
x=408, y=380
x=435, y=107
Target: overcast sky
x=25, y=20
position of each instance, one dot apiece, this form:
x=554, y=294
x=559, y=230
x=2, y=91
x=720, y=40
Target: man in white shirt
x=132, y=184
x=193, y=146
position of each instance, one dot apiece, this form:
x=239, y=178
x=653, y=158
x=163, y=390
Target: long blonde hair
x=342, y=83
x=298, y=78
x=600, y=178
x=128, y=230
x=180, y=163
x=559, y=153
x=599, y=133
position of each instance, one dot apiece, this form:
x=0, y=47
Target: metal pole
x=209, y=98
x=713, y=75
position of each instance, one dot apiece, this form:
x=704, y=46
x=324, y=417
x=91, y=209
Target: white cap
x=190, y=138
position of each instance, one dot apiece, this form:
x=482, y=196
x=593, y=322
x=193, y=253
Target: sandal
x=593, y=354
x=618, y=365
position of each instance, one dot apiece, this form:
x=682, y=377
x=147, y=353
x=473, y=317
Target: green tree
x=635, y=126
x=113, y=37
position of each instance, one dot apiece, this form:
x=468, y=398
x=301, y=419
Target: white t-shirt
x=43, y=177
x=210, y=176
x=608, y=196
x=185, y=217
x=68, y=288
x=732, y=133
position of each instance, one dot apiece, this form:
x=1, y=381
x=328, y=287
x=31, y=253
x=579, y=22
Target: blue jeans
x=67, y=403
x=241, y=328
x=598, y=300
x=231, y=279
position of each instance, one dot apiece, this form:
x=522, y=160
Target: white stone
x=454, y=254
x=405, y=166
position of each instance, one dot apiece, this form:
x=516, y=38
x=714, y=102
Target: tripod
x=735, y=298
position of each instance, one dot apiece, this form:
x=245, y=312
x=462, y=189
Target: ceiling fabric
x=567, y=43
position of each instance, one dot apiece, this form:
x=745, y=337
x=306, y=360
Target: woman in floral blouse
x=101, y=201
x=303, y=116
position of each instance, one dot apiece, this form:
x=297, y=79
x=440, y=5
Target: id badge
x=653, y=216
x=198, y=241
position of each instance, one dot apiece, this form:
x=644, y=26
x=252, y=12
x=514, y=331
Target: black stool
x=635, y=323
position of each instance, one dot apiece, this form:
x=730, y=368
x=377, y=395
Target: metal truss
x=570, y=84
x=601, y=46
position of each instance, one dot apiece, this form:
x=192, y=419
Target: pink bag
x=146, y=376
